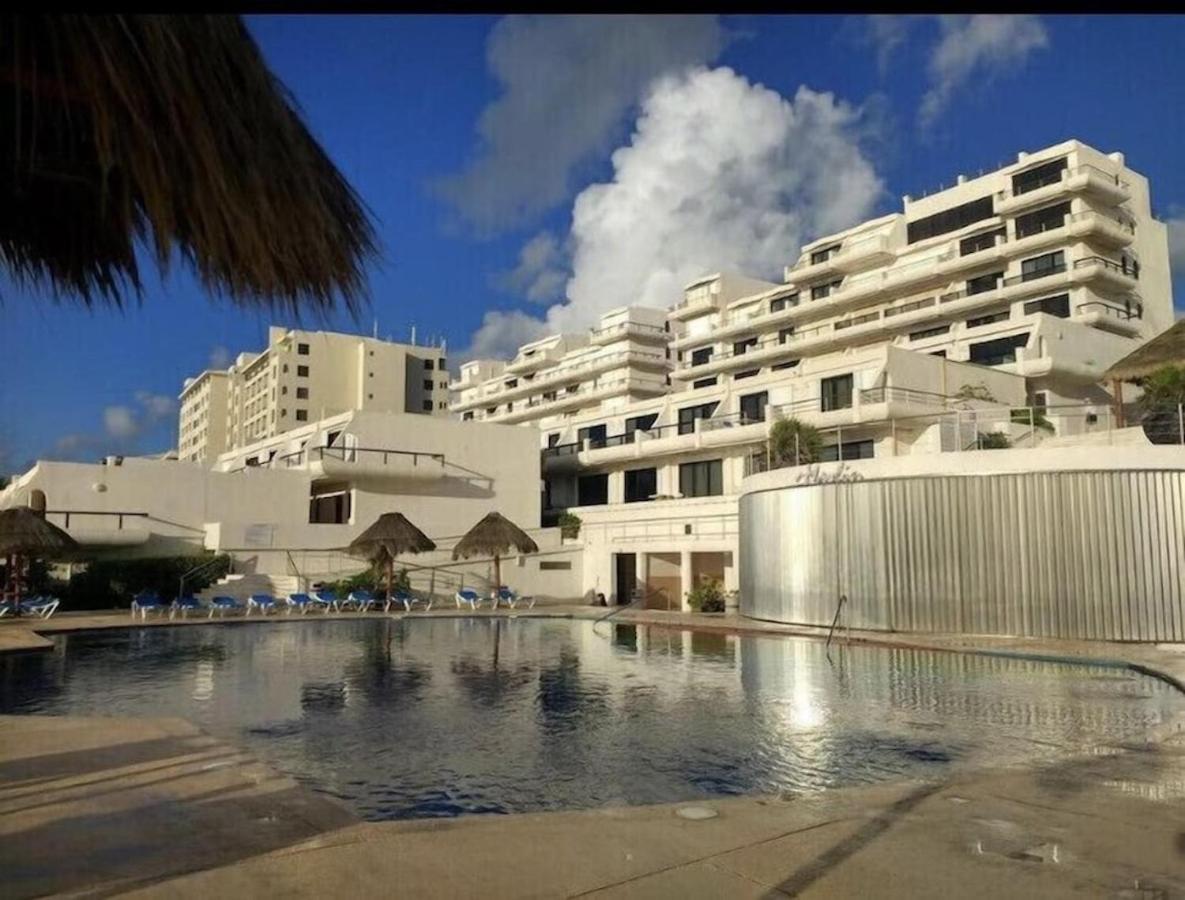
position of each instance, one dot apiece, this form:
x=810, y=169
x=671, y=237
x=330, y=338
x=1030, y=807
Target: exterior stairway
x=243, y=586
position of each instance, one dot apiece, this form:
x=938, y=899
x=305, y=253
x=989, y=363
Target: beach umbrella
x=166, y=134
x=390, y=536
x=1166, y=349
x=25, y=534
x=495, y=536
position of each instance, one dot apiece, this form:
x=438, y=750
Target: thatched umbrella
x=390, y=536
x=171, y=132
x=1166, y=349
x=495, y=536
x=25, y=534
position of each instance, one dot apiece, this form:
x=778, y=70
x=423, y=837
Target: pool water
x=440, y=717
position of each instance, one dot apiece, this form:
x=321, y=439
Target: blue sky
x=485, y=150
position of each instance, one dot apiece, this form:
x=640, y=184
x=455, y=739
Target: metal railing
x=118, y=514
x=1131, y=271
x=1034, y=275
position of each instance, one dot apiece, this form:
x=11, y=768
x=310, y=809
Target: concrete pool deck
x=151, y=807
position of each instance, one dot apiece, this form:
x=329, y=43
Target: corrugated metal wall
x=1095, y=555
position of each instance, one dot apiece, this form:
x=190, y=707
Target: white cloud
x=501, y=333
x=887, y=33
x=567, y=83
x=719, y=174
x=541, y=270
x=156, y=406
x=120, y=422
x=982, y=45
x=123, y=426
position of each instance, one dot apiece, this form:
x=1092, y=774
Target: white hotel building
x=1017, y=288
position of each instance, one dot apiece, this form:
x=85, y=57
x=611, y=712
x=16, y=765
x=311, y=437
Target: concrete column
x=643, y=573
x=684, y=579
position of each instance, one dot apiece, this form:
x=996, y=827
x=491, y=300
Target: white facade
x=902, y=335
x=302, y=377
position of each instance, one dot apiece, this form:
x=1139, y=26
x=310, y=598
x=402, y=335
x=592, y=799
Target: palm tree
x=793, y=442
x=125, y=132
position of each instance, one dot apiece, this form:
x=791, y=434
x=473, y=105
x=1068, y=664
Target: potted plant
x=569, y=525
x=707, y=596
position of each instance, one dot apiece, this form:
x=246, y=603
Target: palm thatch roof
x=390, y=536
x=1166, y=349
x=494, y=535
x=171, y=133
x=24, y=532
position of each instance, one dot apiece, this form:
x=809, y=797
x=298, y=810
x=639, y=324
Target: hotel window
x=1037, y=177
x=819, y=291
x=847, y=450
x=780, y=303
x=785, y=334
x=836, y=392
x=789, y=364
x=989, y=319
x=640, y=485
x=741, y=376
x=594, y=434
x=442, y=365
x=701, y=356
x=302, y=415
x=302, y=349
x=950, y=220
x=821, y=256
x=283, y=414
x=941, y=354
x=1040, y=266
x=703, y=383
x=283, y=389
x=512, y=383
x=702, y=479
x=428, y=364
x=1052, y=306
x=330, y=506
x=553, y=439
x=467, y=417
x=427, y=385
x=285, y=368
x=427, y=406
x=1046, y=219
x=984, y=283
x=302, y=393
x=929, y=333
x=688, y=415
x=999, y=352
x=639, y=423
x=592, y=490
x=979, y=242
x=753, y=407
x=302, y=371
x=739, y=348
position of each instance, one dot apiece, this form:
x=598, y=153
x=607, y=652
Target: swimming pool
x=426, y=717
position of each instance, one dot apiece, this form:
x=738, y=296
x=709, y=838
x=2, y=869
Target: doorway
x=625, y=566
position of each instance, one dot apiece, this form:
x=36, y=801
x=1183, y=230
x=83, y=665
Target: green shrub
x=109, y=584
x=569, y=525
x=794, y=443
x=373, y=580
x=993, y=440
x=707, y=596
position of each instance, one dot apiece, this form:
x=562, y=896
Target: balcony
x=1102, y=228
x=623, y=330
x=103, y=528
x=1085, y=179
x=532, y=362
x=382, y=463
x=689, y=309
x=1106, y=274
x=585, y=395
x=1125, y=320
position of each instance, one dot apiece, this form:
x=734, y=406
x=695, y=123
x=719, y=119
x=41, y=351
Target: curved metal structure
x=1094, y=555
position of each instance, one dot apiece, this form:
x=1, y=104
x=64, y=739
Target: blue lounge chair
x=42, y=607
x=406, y=599
x=298, y=601
x=222, y=605
x=327, y=600
x=510, y=598
x=147, y=601
x=362, y=600
x=468, y=595
x=185, y=605
x=265, y=603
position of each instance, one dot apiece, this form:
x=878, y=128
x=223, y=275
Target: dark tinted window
x=704, y=382
x=701, y=356
x=1054, y=306
x=1040, y=266
x=950, y=220
x=984, y=282
x=1042, y=220
x=640, y=484
x=595, y=434
x=640, y=423
x=836, y=393
x=823, y=255
x=701, y=479
x=688, y=415
x=553, y=439
x=977, y=321
x=978, y=242
x=753, y=406
x=998, y=352
x=847, y=450
x=929, y=332
x=741, y=347
x=592, y=490
x=780, y=303
x=1031, y=179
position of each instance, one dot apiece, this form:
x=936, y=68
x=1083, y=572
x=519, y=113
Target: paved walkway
x=157, y=808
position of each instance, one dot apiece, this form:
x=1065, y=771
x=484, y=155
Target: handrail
x=96, y=512
x=1133, y=270
x=843, y=598
x=199, y=568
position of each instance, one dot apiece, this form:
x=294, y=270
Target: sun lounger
x=510, y=598
x=223, y=605
x=468, y=595
x=326, y=600
x=185, y=605
x=42, y=607
x=265, y=603
x=361, y=600
x=407, y=600
x=145, y=602
x=298, y=601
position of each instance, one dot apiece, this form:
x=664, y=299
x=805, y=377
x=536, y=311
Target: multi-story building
x=306, y=376
x=626, y=358
x=1015, y=289
x=202, y=420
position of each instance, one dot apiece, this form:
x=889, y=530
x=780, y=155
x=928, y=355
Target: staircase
x=243, y=586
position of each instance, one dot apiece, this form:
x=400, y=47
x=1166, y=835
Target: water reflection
x=436, y=717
